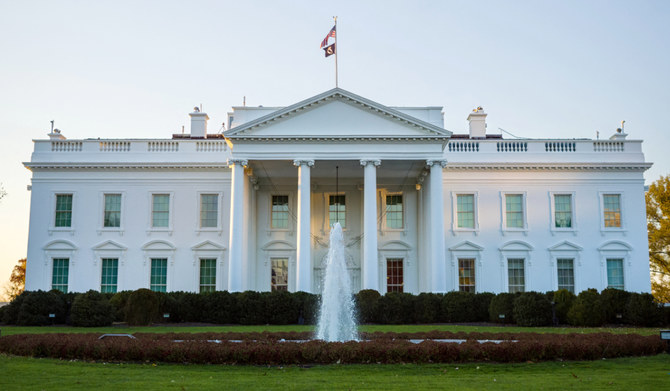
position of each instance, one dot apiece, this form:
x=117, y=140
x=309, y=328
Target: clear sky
x=118, y=69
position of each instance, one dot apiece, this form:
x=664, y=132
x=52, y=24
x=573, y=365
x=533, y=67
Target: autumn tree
x=658, y=227
x=17, y=280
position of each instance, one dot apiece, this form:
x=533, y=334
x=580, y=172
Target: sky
x=122, y=69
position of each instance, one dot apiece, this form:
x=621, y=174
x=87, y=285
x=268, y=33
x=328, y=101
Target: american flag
x=331, y=33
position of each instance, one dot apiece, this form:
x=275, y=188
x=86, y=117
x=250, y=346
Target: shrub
x=10, y=313
x=142, y=308
x=614, y=304
x=532, y=309
x=118, y=303
x=282, y=308
x=587, y=310
x=501, y=309
x=642, y=310
x=221, y=308
x=308, y=307
x=38, y=305
x=91, y=309
x=252, y=307
x=396, y=308
x=563, y=300
x=458, y=307
x=427, y=308
x=482, y=301
x=367, y=304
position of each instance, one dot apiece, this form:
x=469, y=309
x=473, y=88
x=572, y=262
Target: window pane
x=209, y=210
x=280, y=212
x=466, y=275
x=112, y=216
x=566, y=274
x=279, y=278
x=59, y=276
x=208, y=275
x=612, y=210
x=514, y=210
x=110, y=272
x=394, y=275
x=158, y=282
x=516, y=275
x=63, y=210
x=563, y=210
x=615, y=273
x=160, y=212
x=336, y=209
x=394, y=215
x=465, y=205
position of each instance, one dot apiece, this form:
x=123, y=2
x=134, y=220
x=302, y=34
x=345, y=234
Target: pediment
x=278, y=245
x=159, y=245
x=615, y=245
x=466, y=245
x=109, y=245
x=565, y=246
x=334, y=115
x=60, y=245
x=208, y=245
x=395, y=245
x=516, y=245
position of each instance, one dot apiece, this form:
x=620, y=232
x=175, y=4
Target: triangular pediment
x=208, y=245
x=466, y=245
x=109, y=245
x=565, y=246
x=337, y=114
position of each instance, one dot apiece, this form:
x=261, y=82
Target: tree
x=658, y=227
x=17, y=280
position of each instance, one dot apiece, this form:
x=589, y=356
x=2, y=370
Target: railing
x=66, y=146
x=114, y=146
x=463, y=146
x=560, y=146
x=163, y=146
x=608, y=146
x=210, y=146
x=512, y=146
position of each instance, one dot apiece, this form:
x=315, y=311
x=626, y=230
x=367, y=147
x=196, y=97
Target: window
x=516, y=275
x=160, y=210
x=279, y=281
x=394, y=275
x=615, y=273
x=112, y=217
x=514, y=210
x=612, y=210
x=394, y=215
x=566, y=274
x=209, y=210
x=466, y=275
x=563, y=210
x=59, y=276
x=158, y=282
x=336, y=209
x=465, y=208
x=110, y=273
x=279, y=212
x=63, y=210
x=207, y=275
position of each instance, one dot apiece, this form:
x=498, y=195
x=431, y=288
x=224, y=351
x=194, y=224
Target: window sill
x=456, y=231
x=506, y=231
x=159, y=230
x=555, y=231
x=385, y=231
x=270, y=231
x=61, y=229
x=120, y=231
x=605, y=231
x=216, y=230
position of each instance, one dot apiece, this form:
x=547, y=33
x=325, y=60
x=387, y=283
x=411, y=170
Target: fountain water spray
x=336, y=317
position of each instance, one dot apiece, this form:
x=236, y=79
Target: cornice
x=621, y=166
x=125, y=166
x=339, y=139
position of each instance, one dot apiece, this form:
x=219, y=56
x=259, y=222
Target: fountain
x=336, y=317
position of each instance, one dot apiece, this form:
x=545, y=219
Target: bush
x=10, y=313
x=458, y=306
x=252, y=307
x=614, y=304
x=482, y=301
x=38, y=305
x=427, y=308
x=282, y=308
x=91, y=309
x=396, y=308
x=367, y=305
x=501, y=309
x=119, y=302
x=142, y=308
x=532, y=309
x=642, y=310
x=221, y=308
x=563, y=300
x=587, y=310
x=308, y=307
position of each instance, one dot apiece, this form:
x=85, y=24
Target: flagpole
x=336, y=50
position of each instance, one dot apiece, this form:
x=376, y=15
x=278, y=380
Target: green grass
x=639, y=373
x=9, y=330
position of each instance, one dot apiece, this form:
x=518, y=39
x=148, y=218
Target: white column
x=370, y=258
x=236, y=242
x=304, y=253
x=437, y=250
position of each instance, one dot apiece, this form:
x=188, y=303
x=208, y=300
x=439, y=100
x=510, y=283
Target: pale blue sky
x=116, y=69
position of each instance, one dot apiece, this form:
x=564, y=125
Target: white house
x=423, y=210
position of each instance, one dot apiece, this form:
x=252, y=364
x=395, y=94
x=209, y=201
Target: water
x=336, y=316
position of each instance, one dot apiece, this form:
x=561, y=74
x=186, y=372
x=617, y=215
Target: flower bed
x=269, y=349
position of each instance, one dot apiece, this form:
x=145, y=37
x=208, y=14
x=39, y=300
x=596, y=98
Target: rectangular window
x=394, y=275
x=394, y=214
x=112, y=217
x=110, y=274
x=566, y=274
x=516, y=275
x=63, y=210
x=207, y=275
x=465, y=205
x=514, y=210
x=563, y=210
x=279, y=281
x=209, y=210
x=279, y=212
x=466, y=275
x=612, y=210
x=336, y=209
x=160, y=210
x=158, y=281
x=615, y=273
x=61, y=267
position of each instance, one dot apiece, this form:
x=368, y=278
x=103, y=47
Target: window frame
x=524, y=211
x=327, y=207
x=403, y=267
x=102, y=269
x=552, y=208
x=558, y=276
x=151, y=269
x=67, y=277
x=273, y=287
x=101, y=215
x=454, y=211
x=289, y=224
x=52, y=223
x=219, y=214
x=213, y=286
x=525, y=274
x=403, y=212
x=150, y=212
x=622, y=262
x=474, y=274
x=622, y=214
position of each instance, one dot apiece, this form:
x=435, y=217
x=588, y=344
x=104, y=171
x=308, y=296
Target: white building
x=423, y=210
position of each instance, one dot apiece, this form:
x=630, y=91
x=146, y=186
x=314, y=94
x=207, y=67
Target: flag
x=329, y=50
x=331, y=33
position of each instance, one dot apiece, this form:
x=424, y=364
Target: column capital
x=365, y=162
x=240, y=162
x=432, y=162
x=306, y=162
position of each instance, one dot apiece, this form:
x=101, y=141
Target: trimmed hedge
x=91, y=309
x=142, y=308
x=587, y=310
x=532, y=309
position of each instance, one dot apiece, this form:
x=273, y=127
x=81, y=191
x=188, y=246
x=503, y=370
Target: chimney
x=198, y=123
x=620, y=134
x=477, y=121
